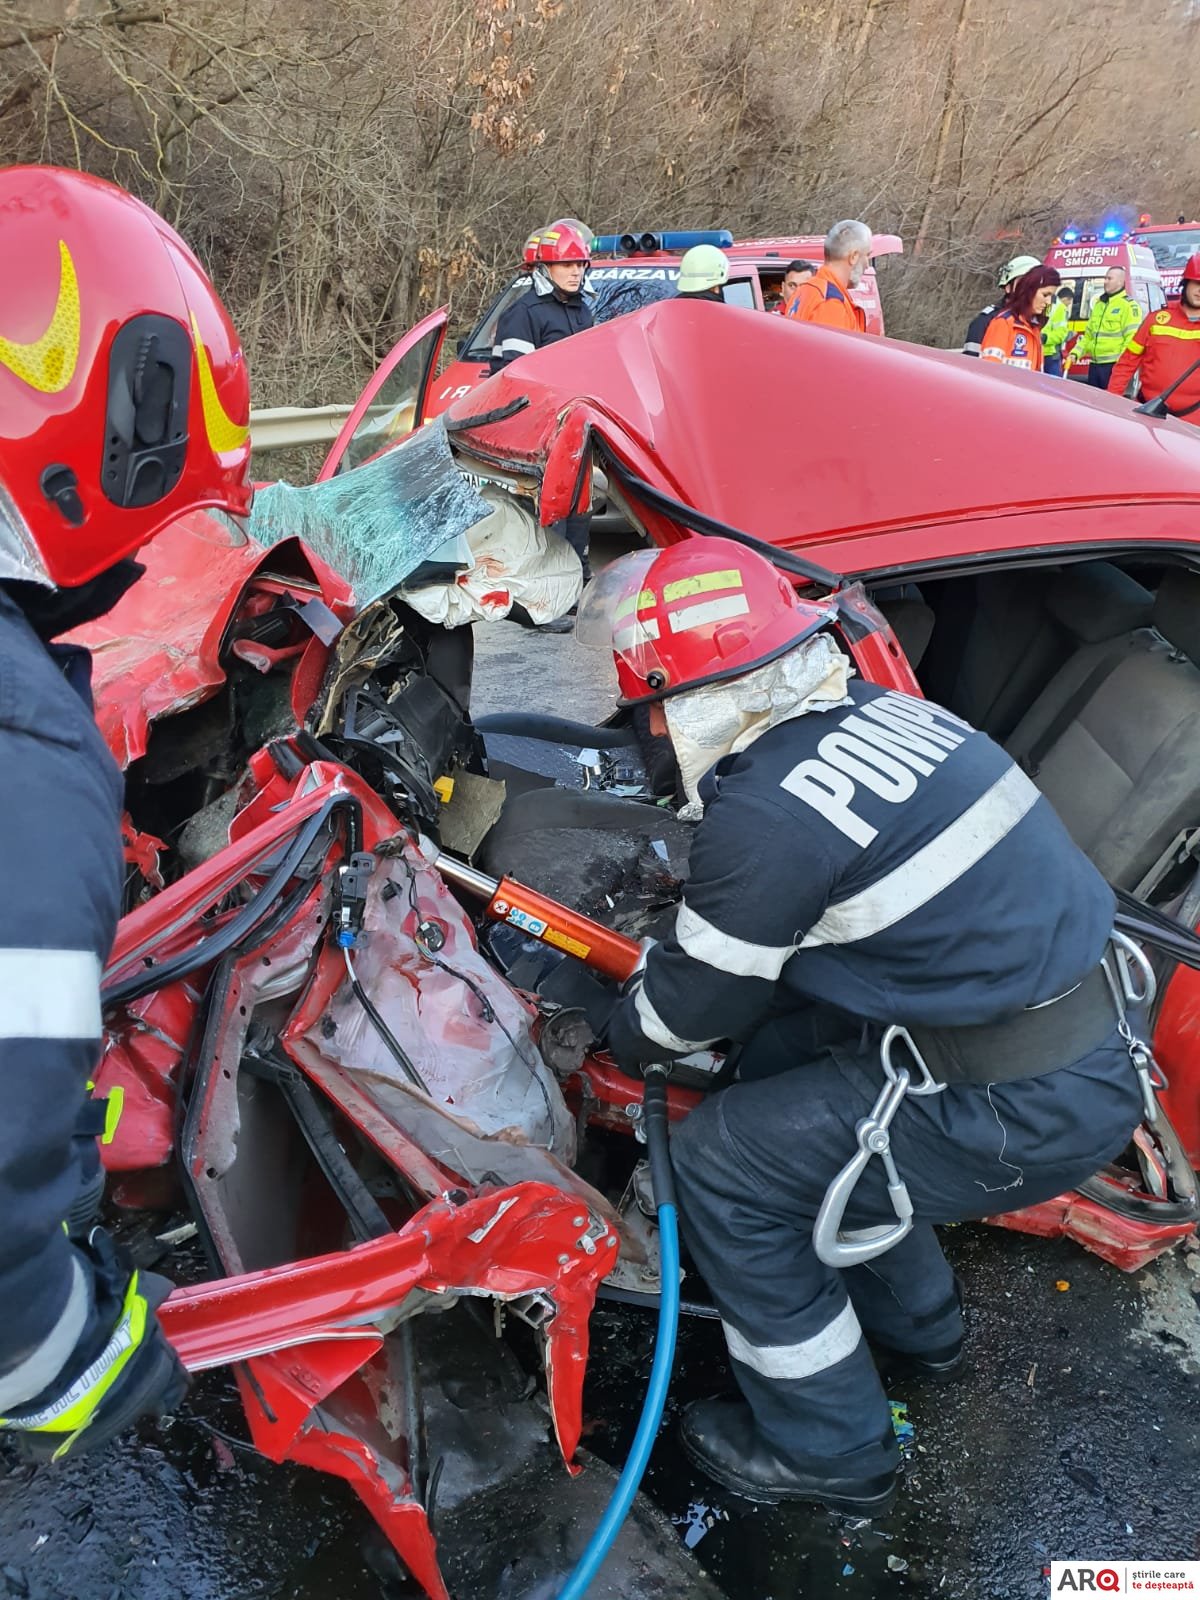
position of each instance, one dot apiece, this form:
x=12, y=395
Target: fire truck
x=1082, y=259
x=630, y=270
x=1172, y=244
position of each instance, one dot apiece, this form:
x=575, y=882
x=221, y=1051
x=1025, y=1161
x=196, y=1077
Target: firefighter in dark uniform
x=554, y=307
x=864, y=859
x=556, y=304
x=124, y=404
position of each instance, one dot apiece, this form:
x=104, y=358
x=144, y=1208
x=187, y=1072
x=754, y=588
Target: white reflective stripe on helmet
x=19, y=557
x=708, y=611
x=835, y=1341
x=49, y=994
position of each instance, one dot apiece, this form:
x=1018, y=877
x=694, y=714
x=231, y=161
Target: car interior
x=1089, y=675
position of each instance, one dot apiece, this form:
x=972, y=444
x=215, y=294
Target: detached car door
x=394, y=402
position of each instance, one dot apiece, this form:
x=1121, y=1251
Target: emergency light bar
x=631, y=244
x=1109, y=234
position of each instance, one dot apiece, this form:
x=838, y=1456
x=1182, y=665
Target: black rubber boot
x=933, y=1366
x=564, y=624
x=941, y=1365
x=719, y=1436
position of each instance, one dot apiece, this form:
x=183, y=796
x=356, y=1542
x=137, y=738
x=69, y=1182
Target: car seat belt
x=1069, y=711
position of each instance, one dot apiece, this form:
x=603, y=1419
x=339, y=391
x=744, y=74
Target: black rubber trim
x=484, y=419
x=252, y=917
x=785, y=560
x=557, y=730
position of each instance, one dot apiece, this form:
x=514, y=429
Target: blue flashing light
x=1112, y=232
x=628, y=244
x=1069, y=236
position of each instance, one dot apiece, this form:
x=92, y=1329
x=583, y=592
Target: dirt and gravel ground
x=1075, y=1433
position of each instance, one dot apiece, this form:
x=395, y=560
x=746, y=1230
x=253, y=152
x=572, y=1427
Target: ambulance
x=1082, y=259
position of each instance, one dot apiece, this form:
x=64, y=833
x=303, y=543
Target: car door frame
x=431, y=328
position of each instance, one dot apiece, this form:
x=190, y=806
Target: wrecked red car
x=347, y=1010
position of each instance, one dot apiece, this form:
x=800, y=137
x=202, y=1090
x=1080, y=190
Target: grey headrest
x=1177, y=611
x=912, y=623
x=1097, y=601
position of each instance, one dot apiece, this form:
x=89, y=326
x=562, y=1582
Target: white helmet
x=1016, y=268
x=702, y=267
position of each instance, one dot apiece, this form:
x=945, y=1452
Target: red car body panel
x=881, y=475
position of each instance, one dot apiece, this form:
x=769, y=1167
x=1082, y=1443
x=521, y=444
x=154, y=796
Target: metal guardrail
x=287, y=427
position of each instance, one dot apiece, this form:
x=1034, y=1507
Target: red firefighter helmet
x=529, y=251
x=560, y=242
x=697, y=612
x=124, y=400
x=1191, y=273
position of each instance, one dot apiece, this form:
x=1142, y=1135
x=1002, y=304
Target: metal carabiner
x=898, y=1035
x=838, y=1249
x=1130, y=955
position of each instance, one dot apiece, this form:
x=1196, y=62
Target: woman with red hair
x=1014, y=335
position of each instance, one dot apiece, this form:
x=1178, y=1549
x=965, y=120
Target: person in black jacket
x=556, y=303
x=1009, y=273
x=873, y=886
x=554, y=307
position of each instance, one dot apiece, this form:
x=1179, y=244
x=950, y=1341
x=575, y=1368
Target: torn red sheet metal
x=158, y=651
x=305, y=1338
x=1123, y=1242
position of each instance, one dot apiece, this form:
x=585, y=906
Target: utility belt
x=923, y=1061
x=1028, y=1045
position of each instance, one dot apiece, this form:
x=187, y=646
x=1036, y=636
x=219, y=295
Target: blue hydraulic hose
x=589, y=1564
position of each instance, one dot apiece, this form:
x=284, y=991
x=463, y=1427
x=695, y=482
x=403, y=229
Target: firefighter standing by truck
x=555, y=307
x=863, y=859
x=124, y=404
x=1113, y=322
x=1164, y=347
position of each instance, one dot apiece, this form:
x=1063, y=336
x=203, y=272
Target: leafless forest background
x=344, y=165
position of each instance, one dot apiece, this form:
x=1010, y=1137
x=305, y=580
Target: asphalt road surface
x=1074, y=1434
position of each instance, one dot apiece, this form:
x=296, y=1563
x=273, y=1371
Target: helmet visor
x=619, y=612
x=19, y=556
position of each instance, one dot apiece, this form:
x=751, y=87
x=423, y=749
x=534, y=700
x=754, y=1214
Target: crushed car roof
x=840, y=445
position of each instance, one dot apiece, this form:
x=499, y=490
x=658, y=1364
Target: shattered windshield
x=376, y=524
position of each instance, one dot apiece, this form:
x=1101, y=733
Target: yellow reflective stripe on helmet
x=1174, y=333
x=223, y=433
x=72, y=1411
x=112, y=1114
x=645, y=600
x=47, y=363
x=704, y=584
